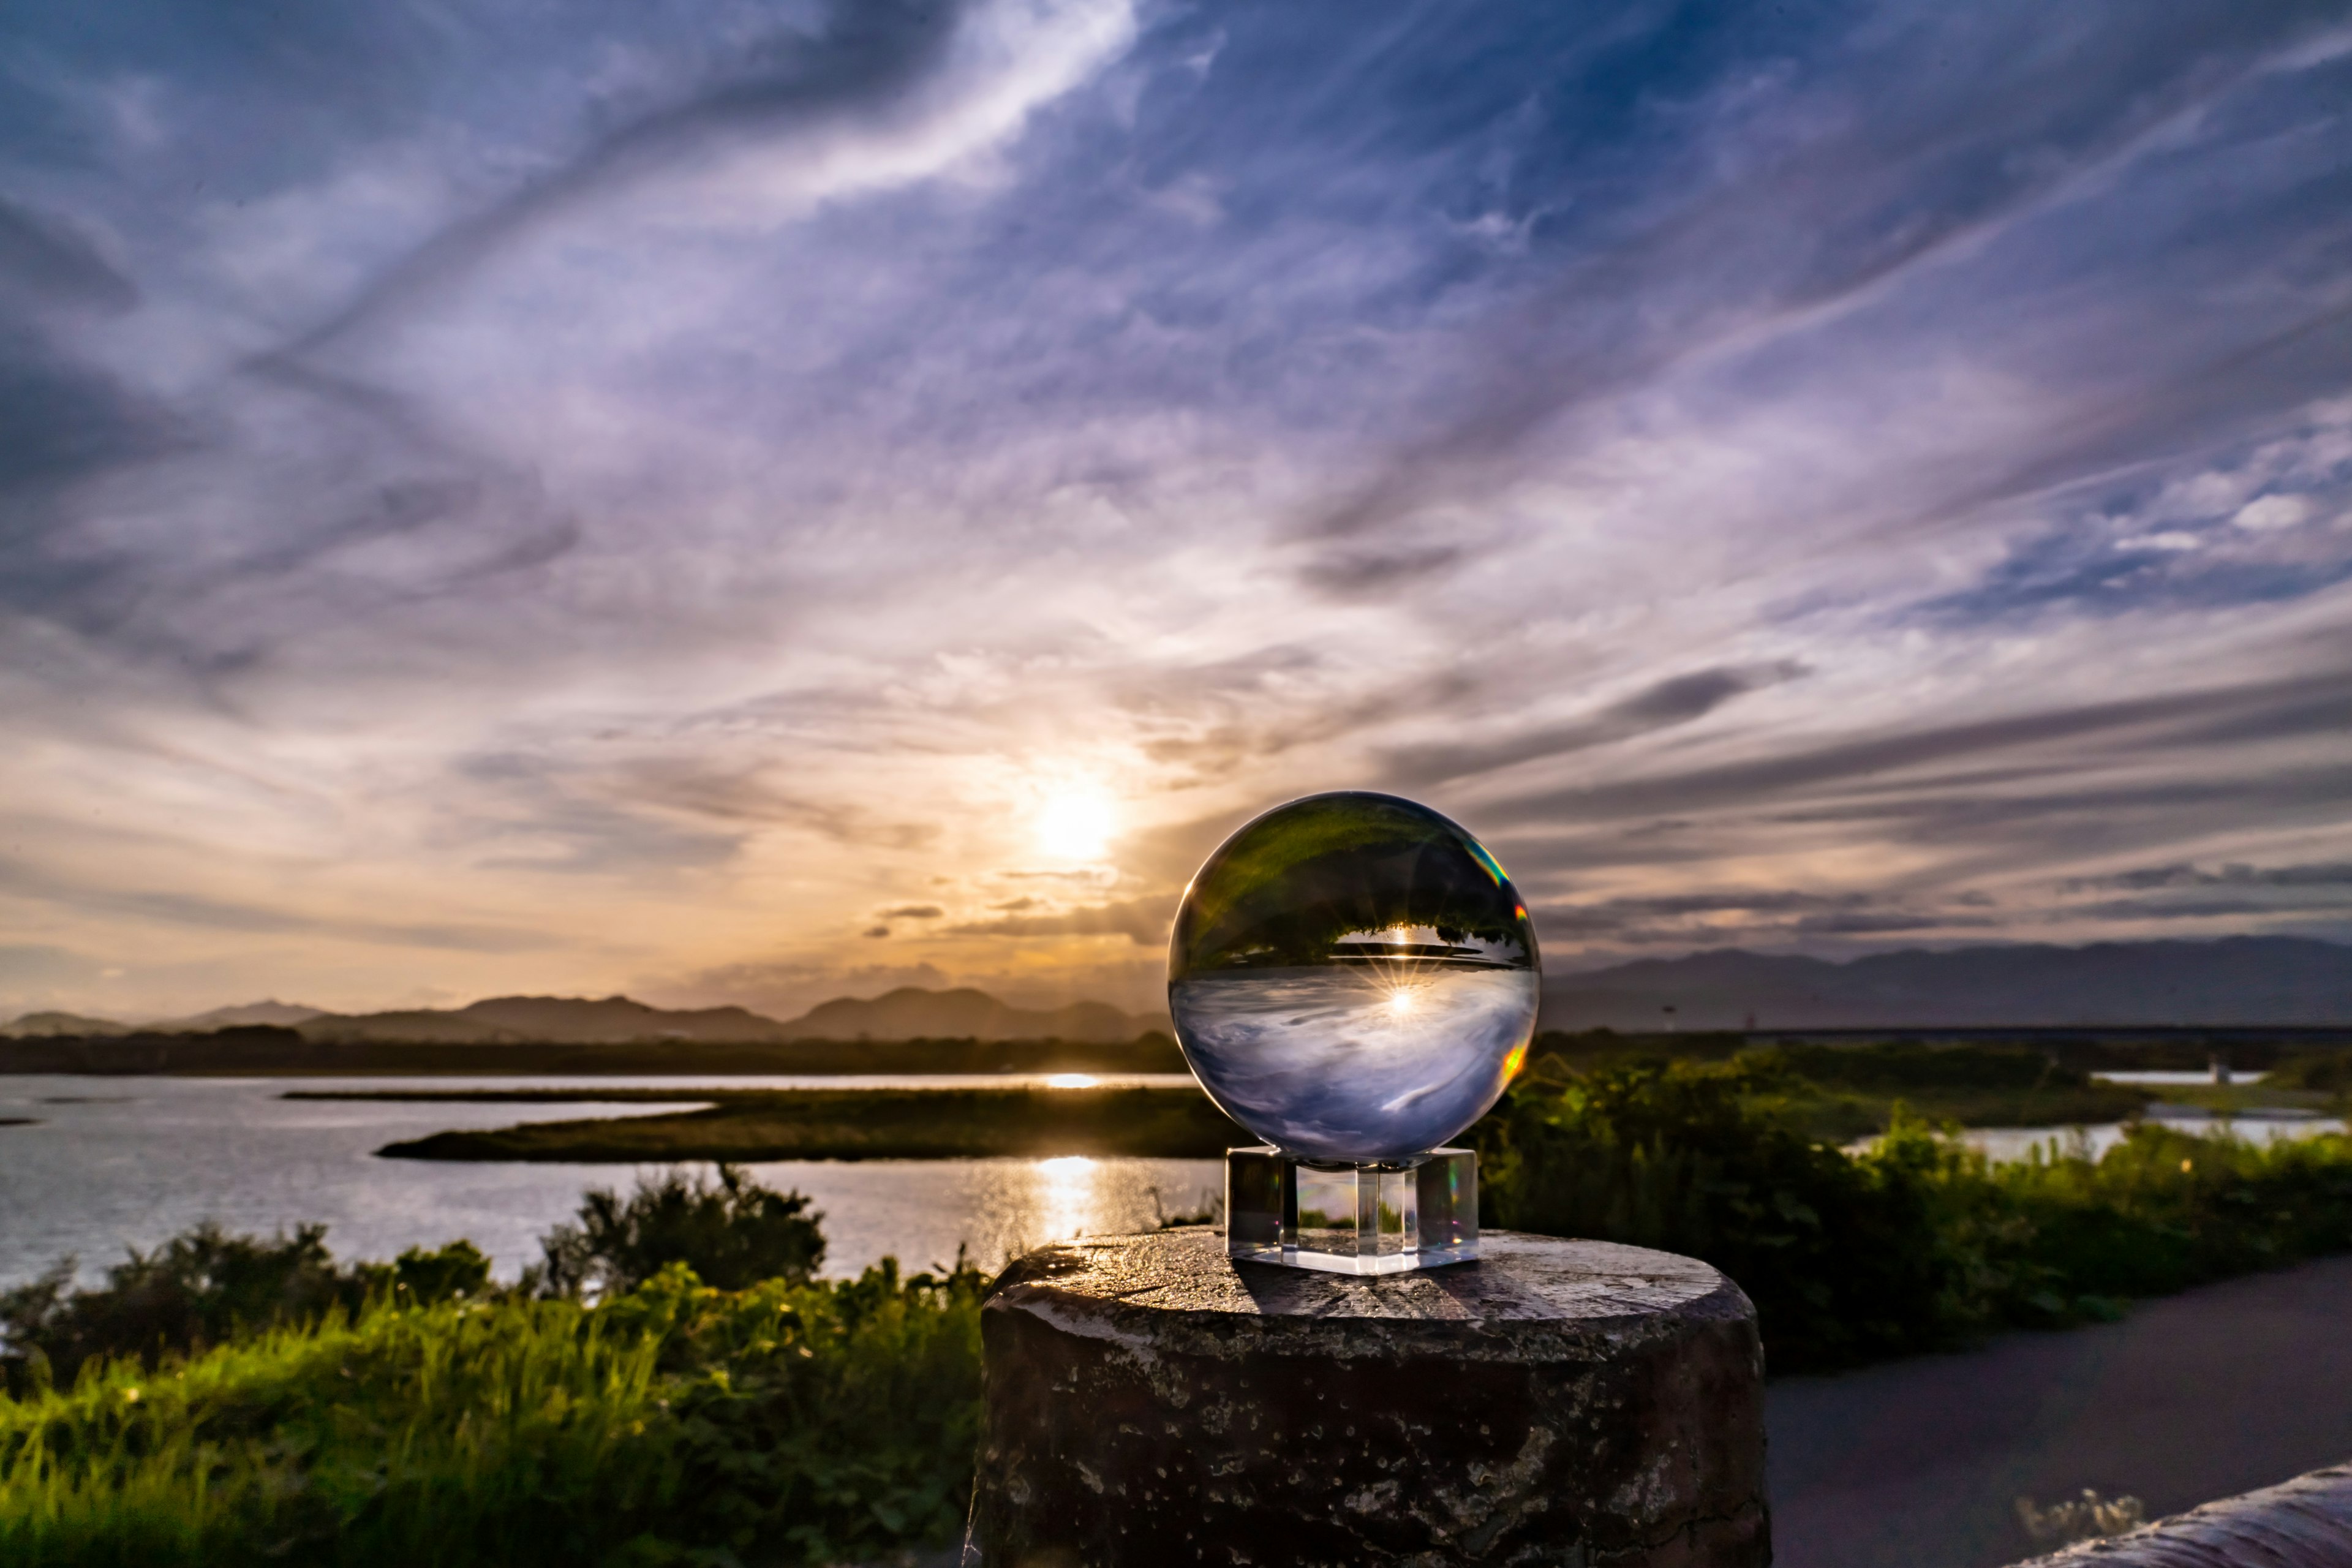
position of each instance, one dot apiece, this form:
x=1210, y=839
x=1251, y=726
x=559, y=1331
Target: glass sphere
x=1353, y=978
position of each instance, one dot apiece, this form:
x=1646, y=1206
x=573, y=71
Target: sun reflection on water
x=1066, y=1203
x=1070, y=1080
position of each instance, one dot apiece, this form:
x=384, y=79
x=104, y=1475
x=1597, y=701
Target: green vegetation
x=673, y=1424
x=668, y=1422
x=1917, y=1245
x=2188, y=1049
x=2326, y=1074
x=208, y=1287
x=1838, y=1093
x=869, y=1124
x=205, y=1288
x=732, y=1232
x=1844, y=1092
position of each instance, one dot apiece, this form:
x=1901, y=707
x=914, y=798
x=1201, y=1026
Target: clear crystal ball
x=1353, y=978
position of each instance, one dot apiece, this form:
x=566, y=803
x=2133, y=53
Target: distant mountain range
x=568, y=1019
x=905, y=1014
x=284, y=1014
x=2258, y=981
x=40, y=1026
x=2252, y=979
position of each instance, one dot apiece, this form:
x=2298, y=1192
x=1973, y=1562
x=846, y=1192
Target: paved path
x=1918, y=1464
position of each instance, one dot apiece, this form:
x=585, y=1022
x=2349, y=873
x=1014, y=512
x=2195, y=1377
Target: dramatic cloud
x=1143, y=922
x=1676, y=700
x=602, y=496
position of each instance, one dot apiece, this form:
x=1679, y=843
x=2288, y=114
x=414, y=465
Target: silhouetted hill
x=2264, y=980
x=907, y=1013
x=572, y=1020
x=911, y=1014
x=40, y=1025
x=284, y=1014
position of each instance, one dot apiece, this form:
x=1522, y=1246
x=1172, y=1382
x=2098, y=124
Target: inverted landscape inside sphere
x=1353, y=978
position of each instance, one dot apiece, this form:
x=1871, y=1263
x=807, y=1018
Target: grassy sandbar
x=856, y=1124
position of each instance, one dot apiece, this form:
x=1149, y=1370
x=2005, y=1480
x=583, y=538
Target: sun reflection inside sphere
x=1070, y=1080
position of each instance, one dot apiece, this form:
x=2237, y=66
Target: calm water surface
x=2022, y=1142
x=128, y=1162
x=113, y=1163
x=2167, y=1077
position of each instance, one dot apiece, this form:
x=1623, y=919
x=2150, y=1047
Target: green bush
x=2062, y=1236
x=732, y=1232
x=1839, y=1255
x=205, y=1287
x=1919, y=1244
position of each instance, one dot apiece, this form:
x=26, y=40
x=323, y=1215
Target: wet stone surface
x=1151, y=1402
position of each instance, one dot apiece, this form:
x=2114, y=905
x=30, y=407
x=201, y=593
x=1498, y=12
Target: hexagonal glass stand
x=1385, y=1218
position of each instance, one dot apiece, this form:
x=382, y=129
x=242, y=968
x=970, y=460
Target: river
x=114, y=1162
x=106, y=1163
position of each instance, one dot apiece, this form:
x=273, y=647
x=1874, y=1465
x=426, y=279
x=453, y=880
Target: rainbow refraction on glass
x=1353, y=978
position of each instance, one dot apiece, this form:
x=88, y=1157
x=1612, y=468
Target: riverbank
x=1176, y=1122
x=859, y=1124
x=984, y=1123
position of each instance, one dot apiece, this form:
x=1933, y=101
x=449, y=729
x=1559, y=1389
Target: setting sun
x=1075, y=823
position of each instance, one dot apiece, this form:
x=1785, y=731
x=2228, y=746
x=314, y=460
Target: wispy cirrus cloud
x=692, y=488
x=2326, y=874
x=1143, y=922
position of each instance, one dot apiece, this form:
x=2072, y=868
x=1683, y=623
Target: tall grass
x=675, y=1424
x=1919, y=1244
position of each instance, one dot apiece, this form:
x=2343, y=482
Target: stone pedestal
x=1151, y=1401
